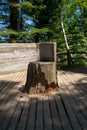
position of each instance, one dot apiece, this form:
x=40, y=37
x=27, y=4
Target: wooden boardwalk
x=62, y=110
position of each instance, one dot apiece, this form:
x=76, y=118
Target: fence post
x=69, y=58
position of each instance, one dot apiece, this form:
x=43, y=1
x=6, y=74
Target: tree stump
x=40, y=77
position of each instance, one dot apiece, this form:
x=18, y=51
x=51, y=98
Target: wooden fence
x=71, y=61
x=17, y=56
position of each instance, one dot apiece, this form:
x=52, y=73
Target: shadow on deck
x=63, y=110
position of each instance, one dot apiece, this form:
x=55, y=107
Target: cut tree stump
x=41, y=76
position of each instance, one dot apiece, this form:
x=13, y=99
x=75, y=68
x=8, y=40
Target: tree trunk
x=14, y=19
x=40, y=77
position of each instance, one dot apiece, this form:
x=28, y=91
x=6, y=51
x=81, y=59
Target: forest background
x=28, y=21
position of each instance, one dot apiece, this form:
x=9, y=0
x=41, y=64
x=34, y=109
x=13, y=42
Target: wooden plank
x=79, y=99
x=5, y=106
x=70, y=113
x=5, y=82
x=32, y=115
x=55, y=115
x=80, y=81
x=13, y=57
x=82, y=108
x=77, y=111
x=64, y=119
x=77, y=95
x=2, y=83
x=24, y=115
x=8, y=85
x=70, y=109
x=82, y=96
x=83, y=82
x=4, y=98
x=7, y=114
x=16, y=115
x=6, y=94
x=39, y=116
x=47, y=115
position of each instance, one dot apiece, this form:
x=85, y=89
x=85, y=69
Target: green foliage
x=40, y=20
x=27, y=6
x=82, y=2
x=74, y=14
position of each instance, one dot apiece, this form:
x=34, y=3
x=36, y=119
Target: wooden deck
x=63, y=110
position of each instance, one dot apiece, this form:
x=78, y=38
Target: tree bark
x=14, y=19
x=40, y=77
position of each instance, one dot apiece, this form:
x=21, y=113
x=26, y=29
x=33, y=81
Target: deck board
x=64, y=119
x=55, y=116
x=32, y=115
x=16, y=116
x=62, y=110
x=47, y=115
x=23, y=117
x=39, y=116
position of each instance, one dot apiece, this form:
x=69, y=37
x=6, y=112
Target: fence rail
x=17, y=56
x=76, y=56
x=72, y=52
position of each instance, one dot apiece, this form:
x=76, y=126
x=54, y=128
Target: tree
x=75, y=25
x=14, y=18
x=27, y=22
x=44, y=16
x=4, y=20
